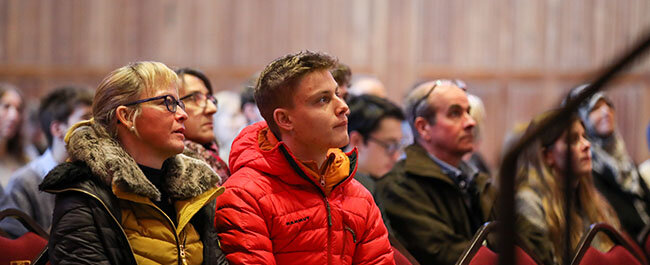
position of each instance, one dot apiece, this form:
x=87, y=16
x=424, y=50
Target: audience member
x=477, y=111
x=200, y=105
x=229, y=121
x=35, y=140
x=342, y=75
x=12, y=152
x=436, y=202
x=58, y=110
x=374, y=129
x=540, y=197
x=292, y=198
x=129, y=196
x=366, y=84
x=644, y=168
x=615, y=174
x=248, y=106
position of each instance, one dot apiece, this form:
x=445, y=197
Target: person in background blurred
x=248, y=107
x=644, y=168
x=477, y=111
x=366, y=84
x=615, y=174
x=374, y=129
x=229, y=121
x=540, y=193
x=128, y=195
x=200, y=105
x=342, y=75
x=58, y=111
x=12, y=152
x=35, y=142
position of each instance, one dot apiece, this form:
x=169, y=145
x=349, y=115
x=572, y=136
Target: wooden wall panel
x=520, y=56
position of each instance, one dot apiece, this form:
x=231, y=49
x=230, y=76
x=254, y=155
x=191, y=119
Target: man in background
x=59, y=110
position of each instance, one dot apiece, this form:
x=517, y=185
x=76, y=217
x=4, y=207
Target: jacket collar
x=274, y=159
x=186, y=177
x=419, y=163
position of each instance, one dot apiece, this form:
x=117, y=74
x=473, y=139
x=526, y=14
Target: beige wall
x=519, y=56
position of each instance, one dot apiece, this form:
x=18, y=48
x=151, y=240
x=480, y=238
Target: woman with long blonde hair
x=540, y=193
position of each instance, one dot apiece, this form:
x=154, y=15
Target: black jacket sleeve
x=75, y=236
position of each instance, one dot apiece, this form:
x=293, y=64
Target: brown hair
x=342, y=74
x=276, y=84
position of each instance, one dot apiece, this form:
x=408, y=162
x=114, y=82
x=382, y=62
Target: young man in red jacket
x=292, y=198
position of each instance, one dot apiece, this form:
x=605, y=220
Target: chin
x=341, y=141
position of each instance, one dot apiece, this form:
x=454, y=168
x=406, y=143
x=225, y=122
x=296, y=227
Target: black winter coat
x=87, y=217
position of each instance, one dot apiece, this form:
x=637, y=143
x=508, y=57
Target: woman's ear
x=547, y=157
x=123, y=115
x=283, y=119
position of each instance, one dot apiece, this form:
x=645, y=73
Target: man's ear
x=356, y=139
x=422, y=126
x=58, y=129
x=283, y=119
x=123, y=115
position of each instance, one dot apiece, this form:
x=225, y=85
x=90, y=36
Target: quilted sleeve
x=373, y=246
x=243, y=233
x=74, y=238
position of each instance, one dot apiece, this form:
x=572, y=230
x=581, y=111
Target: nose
x=343, y=109
x=586, y=145
x=180, y=115
x=210, y=108
x=395, y=156
x=469, y=121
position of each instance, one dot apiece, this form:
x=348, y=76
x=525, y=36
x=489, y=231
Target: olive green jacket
x=426, y=208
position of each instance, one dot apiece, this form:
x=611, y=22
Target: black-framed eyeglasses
x=391, y=147
x=169, y=101
x=200, y=99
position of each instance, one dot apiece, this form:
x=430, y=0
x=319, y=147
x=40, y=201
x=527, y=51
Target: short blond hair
x=127, y=84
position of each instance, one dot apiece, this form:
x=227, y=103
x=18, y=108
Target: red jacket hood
x=246, y=152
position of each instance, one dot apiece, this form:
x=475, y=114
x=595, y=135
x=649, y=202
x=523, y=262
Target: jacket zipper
x=302, y=174
x=107, y=210
x=354, y=239
x=182, y=260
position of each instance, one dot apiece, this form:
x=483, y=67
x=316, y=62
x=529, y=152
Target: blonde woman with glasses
x=128, y=195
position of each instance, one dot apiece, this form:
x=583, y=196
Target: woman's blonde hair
x=126, y=84
x=590, y=206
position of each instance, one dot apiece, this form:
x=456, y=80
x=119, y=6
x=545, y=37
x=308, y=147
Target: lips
x=180, y=130
x=342, y=123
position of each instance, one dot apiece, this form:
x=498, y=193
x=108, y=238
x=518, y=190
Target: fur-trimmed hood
x=186, y=177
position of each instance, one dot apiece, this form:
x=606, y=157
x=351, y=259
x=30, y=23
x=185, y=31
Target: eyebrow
x=455, y=106
x=320, y=93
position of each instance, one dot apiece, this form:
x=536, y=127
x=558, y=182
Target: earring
x=132, y=128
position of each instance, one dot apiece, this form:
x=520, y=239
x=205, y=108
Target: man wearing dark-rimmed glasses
x=434, y=201
x=374, y=129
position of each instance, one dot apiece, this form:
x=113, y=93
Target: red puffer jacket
x=272, y=213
